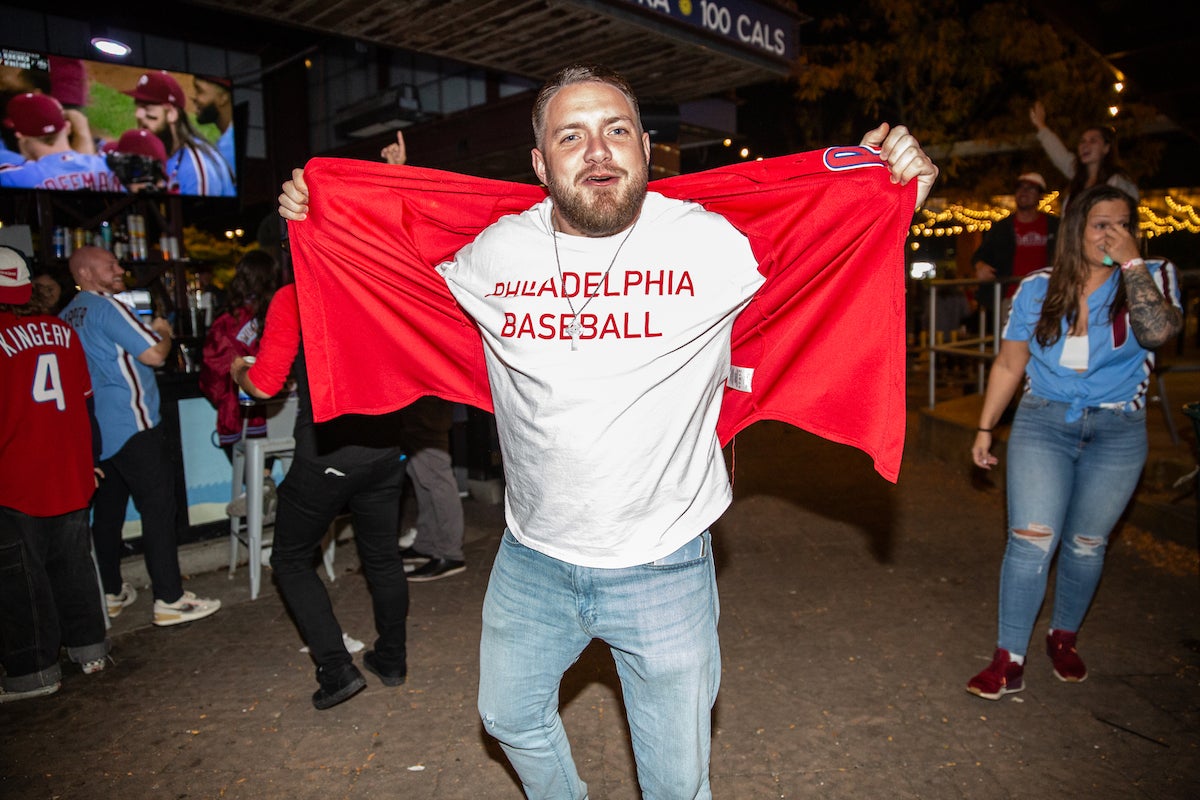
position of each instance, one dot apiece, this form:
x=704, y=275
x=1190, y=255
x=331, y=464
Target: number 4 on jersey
x=47, y=385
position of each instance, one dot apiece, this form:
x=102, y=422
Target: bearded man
x=214, y=106
x=194, y=167
x=606, y=314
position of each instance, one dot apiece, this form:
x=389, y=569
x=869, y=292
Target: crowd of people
x=48, y=142
x=592, y=548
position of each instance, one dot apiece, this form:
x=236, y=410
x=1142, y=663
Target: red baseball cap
x=158, y=88
x=15, y=286
x=34, y=115
x=139, y=141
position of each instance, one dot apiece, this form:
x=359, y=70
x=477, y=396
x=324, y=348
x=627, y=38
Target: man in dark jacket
x=1020, y=243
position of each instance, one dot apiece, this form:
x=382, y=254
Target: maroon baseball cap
x=159, y=88
x=34, y=115
x=139, y=141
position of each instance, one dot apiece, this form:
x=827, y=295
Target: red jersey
x=45, y=434
x=1031, y=247
x=823, y=337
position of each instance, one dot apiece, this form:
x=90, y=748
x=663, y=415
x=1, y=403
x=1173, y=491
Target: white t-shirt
x=611, y=456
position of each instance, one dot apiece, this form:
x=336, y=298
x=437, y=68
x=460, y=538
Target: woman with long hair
x=1080, y=337
x=1095, y=161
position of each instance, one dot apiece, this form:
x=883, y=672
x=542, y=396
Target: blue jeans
x=660, y=623
x=48, y=597
x=1068, y=484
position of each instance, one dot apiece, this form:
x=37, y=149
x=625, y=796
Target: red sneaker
x=1001, y=678
x=1068, y=666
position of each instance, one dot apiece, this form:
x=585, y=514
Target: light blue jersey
x=8, y=158
x=67, y=171
x=125, y=389
x=195, y=170
x=1118, y=368
x=225, y=148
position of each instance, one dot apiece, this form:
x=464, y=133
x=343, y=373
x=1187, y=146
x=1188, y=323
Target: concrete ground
x=853, y=613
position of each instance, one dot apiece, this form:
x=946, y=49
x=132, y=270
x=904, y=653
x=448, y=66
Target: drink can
x=243, y=397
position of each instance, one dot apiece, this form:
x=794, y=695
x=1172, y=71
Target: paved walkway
x=853, y=613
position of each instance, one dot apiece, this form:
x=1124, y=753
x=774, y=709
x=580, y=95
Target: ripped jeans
x=1068, y=484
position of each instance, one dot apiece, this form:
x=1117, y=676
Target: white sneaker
x=186, y=609
x=94, y=666
x=237, y=506
x=352, y=645
x=41, y=691
x=407, y=538
x=117, y=602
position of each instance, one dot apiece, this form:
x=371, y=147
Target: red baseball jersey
x=823, y=338
x=45, y=434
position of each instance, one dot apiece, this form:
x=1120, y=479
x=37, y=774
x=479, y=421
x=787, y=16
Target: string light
x=1180, y=217
x=1177, y=216
x=956, y=219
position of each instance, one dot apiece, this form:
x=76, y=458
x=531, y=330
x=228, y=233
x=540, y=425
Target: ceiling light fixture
x=111, y=47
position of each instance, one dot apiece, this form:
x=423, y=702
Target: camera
x=137, y=172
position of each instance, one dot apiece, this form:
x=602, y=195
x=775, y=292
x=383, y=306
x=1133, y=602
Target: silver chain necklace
x=574, y=330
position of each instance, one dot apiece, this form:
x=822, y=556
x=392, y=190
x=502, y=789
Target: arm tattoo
x=1153, y=318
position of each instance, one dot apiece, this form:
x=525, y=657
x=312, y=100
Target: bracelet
x=985, y=430
x=1133, y=262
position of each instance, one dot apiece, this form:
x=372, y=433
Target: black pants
x=48, y=597
x=309, y=498
x=142, y=468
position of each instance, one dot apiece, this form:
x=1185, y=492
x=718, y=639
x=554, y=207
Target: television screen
x=76, y=125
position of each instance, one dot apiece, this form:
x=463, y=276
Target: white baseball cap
x=15, y=286
x=1034, y=179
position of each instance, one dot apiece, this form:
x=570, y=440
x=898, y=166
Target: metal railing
x=982, y=348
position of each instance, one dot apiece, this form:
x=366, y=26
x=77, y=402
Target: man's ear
x=539, y=165
x=646, y=146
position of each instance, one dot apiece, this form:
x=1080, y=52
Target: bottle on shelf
x=120, y=247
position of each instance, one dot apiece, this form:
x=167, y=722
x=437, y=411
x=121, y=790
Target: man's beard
x=207, y=114
x=164, y=136
x=599, y=213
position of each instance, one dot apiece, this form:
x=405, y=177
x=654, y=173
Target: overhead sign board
x=763, y=29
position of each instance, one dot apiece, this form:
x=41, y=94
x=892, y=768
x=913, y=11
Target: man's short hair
x=580, y=73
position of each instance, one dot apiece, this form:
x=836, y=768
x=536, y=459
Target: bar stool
x=249, y=460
